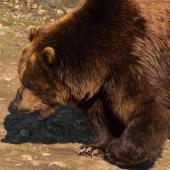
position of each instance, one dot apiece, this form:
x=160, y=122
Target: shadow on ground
x=65, y=126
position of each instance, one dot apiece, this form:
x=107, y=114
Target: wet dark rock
x=24, y=133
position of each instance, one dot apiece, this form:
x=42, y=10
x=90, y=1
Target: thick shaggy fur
x=114, y=68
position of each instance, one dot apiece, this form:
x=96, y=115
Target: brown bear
x=104, y=58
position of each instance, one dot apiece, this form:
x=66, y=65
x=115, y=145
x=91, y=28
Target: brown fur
x=114, y=67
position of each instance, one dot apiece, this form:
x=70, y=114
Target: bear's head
x=42, y=86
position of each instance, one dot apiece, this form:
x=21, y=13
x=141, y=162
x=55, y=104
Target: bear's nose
x=13, y=106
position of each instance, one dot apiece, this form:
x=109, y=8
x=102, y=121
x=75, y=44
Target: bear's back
x=157, y=13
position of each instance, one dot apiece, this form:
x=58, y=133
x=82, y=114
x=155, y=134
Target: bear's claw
x=90, y=151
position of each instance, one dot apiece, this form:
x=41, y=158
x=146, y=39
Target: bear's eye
x=28, y=85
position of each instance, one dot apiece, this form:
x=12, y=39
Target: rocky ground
x=29, y=142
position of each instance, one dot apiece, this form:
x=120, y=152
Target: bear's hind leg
x=140, y=143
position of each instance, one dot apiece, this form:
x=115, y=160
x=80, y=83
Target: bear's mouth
x=28, y=111
x=48, y=112
x=14, y=109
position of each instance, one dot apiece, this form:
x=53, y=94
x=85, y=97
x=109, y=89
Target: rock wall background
x=25, y=12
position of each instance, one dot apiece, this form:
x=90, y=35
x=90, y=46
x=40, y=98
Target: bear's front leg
x=100, y=125
x=141, y=142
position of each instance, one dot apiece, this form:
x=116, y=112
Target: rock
x=24, y=133
x=60, y=12
x=16, y=6
x=34, y=6
x=41, y=11
x=58, y=163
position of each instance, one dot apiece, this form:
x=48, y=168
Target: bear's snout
x=16, y=104
x=16, y=107
x=25, y=102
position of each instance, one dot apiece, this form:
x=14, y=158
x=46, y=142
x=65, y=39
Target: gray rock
x=24, y=133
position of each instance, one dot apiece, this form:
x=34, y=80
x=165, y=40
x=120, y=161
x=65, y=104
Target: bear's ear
x=32, y=32
x=49, y=55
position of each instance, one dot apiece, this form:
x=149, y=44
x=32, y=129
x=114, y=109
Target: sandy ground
x=29, y=142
